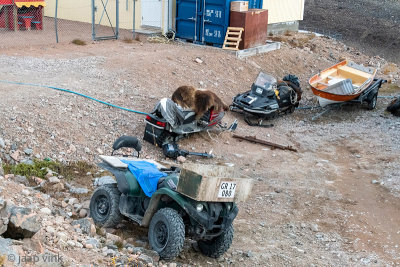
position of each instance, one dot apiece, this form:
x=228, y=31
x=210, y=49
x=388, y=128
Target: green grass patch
x=39, y=168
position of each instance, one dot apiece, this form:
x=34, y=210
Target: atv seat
x=117, y=163
x=189, y=116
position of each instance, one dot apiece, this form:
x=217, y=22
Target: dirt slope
x=372, y=26
x=314, y=207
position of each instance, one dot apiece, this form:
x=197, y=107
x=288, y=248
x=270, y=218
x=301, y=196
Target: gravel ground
x=321, y=206
x=372, y=26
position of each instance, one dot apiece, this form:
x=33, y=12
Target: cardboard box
x=239, y=5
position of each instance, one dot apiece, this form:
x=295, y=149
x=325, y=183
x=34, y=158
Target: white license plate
x=227, y=190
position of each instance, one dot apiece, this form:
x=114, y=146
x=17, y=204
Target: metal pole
x=56, y=21
x=93, y=22
x=117, y=19
x=134, y=20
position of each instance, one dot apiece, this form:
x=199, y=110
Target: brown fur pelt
x=198, y=100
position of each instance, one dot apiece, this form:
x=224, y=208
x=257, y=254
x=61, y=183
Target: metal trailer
x=368, y=96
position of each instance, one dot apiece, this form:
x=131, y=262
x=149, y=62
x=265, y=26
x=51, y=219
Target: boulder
x=4, y=216
x=86, y=225
x=11, y=256
x=22, y=223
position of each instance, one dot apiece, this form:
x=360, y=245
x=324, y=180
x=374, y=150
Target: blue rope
x=75, y=93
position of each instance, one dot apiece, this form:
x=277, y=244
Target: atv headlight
x=199, y=207
x=228, y=206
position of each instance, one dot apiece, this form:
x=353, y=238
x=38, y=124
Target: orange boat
x=342, y=82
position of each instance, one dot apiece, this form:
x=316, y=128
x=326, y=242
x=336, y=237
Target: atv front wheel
x=167, y=233
x=104, y=206
x=217, y=246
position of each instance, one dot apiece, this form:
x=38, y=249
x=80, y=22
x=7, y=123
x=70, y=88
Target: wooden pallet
x=232, y=38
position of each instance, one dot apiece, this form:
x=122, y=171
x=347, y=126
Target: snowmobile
x=268, y=98
x=171, y=202
x=168, y=123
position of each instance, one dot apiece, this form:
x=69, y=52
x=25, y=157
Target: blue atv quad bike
x=145, y=192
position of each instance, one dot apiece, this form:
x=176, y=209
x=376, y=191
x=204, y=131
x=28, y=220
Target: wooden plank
x=234, y=38
x=236, y=28
x=230, y=43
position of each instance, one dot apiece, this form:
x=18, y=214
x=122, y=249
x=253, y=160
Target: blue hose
x=75, y=93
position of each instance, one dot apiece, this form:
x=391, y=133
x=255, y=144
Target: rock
x=28, y=151
x=77, y=190
x=145, y=259
x=54, y=180
x=89, y=246
x=64, y=204
x=198, y=60
x=31, y=130
x=82, y=213
x=94, y=242
x=4, y=216
x=23, y=223
x=72, y=149
x=50, y=229
x=249, y=254
x=58, y=187
x=152, y=254
x=37, y=180
x=113, y=238
x=45, y=211
x=110, y=253
x=25, y=192
x=62, y=236
x=86, y=225
x=104, y=180
x=72, y=201
x=21, y=179
x=2, y=144
x=71, y=243
x=15, y=155
x=7, y=250
x=27, y=161
x=33, y=244
x=314, y=227
x=181, y=159
x=374, y=182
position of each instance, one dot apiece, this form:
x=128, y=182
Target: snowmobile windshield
x=265, y=81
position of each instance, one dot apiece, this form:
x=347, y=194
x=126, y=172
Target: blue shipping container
x=205, y=21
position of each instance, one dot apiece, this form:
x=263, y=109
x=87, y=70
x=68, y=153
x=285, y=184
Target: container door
x=151, y=13
x=214, y=21
x=187, y=19
x=257, y=4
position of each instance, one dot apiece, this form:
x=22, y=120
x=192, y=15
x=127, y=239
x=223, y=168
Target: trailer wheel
x=372, y=102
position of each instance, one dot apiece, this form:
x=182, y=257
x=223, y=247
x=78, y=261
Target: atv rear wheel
x=217, y=246
x=104, y=206
x=167, y=233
